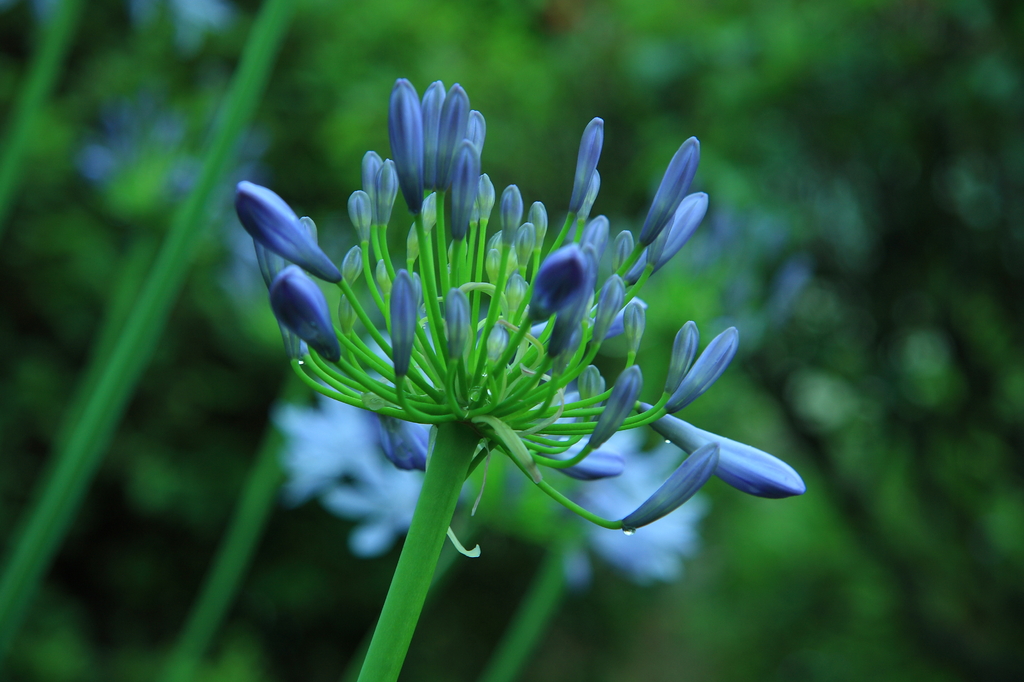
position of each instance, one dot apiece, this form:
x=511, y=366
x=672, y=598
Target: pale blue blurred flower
x=333, y=453
x=653, y=553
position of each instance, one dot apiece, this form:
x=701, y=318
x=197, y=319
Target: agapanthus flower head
x=488, y=329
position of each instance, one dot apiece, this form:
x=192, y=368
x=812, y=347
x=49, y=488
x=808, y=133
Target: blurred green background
x=865, y=163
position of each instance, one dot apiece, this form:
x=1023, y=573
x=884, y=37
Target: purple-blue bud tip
x=301, y=307
x=404, y=443
x=742, y=466
x=674, y=186
x=271, y=222
x=405, y=131
x=560, y=282
x=404, y=302
x=598, y=464
x=711, y=364
x=451, y=132
x=586, y=162
x=620, y=404
x=683, y=484
x=465, y=182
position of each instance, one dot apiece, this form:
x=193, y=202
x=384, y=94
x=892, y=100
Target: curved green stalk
x=530, y=621
x=40, y=532
x=446, y=470
x=235, y=552
x=42, y=73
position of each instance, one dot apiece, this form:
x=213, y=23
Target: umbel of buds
x=497, y=329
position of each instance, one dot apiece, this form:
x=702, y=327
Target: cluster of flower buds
x=500, y=330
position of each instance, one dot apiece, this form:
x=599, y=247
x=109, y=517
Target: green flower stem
x=530, y=621
x=442, y=247
x=40, y=532
x=299, y=368
x=441, y=574
x=492, y=316
x=430, y=292
x=42, y=73
x=576, y=509
x=478, y=276
x=235, y=552
x=446, y=470
x=368, y=273
x=569, y=220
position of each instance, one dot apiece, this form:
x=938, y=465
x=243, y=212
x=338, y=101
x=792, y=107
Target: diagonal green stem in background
x=235, y=552
x=42, y=72
x=40, y=532
x=446, y=470
x=530, y=621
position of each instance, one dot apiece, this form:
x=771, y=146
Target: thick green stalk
x=235, y=552
x=449, y=463
x=78, y=457
x=441, y=574
x=529, y=623
x=42, y=73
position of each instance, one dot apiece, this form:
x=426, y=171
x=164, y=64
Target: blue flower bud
x=386, y=189
x=526, y=240
x=596, y=235
x=484, y=197
x=360, y=212
x=456, y=322
x=745, y=468
x=465, y=182
x=674, y=186
x=492, y=263
x=371, y=166
x=405, y=131
x=620, y=404
x=270, y=263
x=598, y=464
x=566, y=336
x=383, y=278
x=451, y=132
x=609, y=303
x=404, y=443
x=634, y=320
x=622, y=248
x=684, y=350
x=539, y=217
x=346, y=315
x=591, y=197
x=511, y=213
x=300, y=306
x=404, y=308
x=515, y=292
x=560, y=282
x=586, y=162
x=709, y=366
x=271, y=222
x=352, y=266
x=590, y=383
x=683, y=484
x=309, y=226
x=433, y=100
x=294, y=347
x=476, y=131
x=685, y=221
x=428, y=212
x=497, y=342
x=618, y=324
